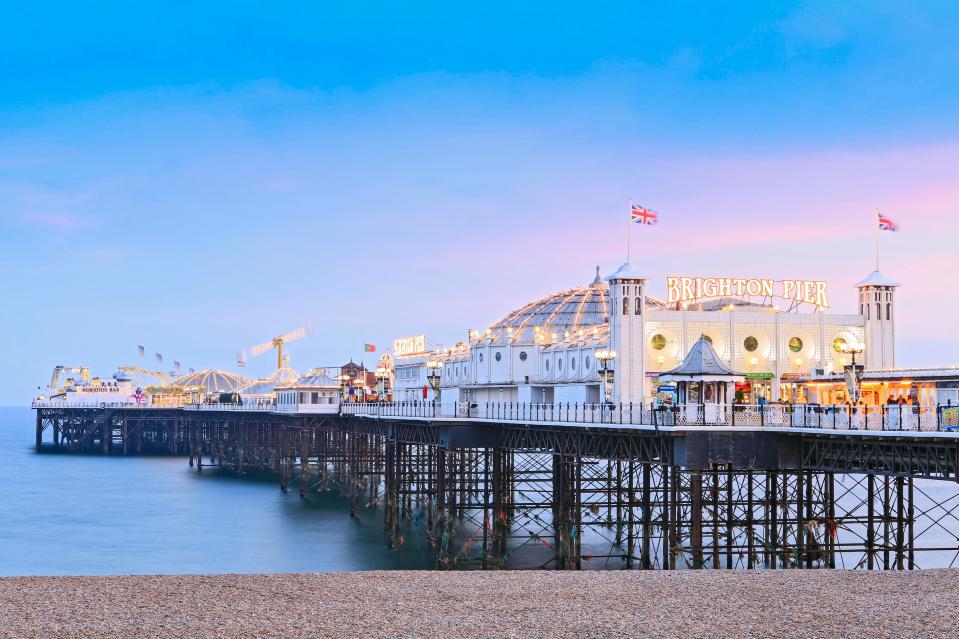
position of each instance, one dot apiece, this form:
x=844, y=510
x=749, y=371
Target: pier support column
x=696, y=518
x=305, y=464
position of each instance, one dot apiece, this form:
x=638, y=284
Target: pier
x=579, y=487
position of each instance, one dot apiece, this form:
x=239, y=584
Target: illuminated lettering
x=688, y=289
x=821, y=295
x=789, y=288
x=710, y=287
x=410, y=345
x=672, y=290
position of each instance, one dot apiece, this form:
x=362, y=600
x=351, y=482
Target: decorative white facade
x=545, y=352
x=315, y=392
x=410, y=378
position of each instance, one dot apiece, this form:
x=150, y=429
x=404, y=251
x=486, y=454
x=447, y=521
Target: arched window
x=888, y=311
x=878, y=311
x=639, y=306
x=625, y=306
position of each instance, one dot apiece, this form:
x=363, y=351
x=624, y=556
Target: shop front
x=756, y=389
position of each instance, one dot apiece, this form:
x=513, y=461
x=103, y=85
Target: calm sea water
x=68, y=515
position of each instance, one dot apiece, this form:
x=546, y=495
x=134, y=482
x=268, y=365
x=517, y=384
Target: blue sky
x=199, y=179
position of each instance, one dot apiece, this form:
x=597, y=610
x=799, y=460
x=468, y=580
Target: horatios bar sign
x=689, y=289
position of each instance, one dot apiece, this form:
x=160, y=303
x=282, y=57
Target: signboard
x=409, y=345
x=759, y=375
x=688, y=289
x=666, y=396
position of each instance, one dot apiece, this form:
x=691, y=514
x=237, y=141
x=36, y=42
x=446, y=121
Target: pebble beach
x=683, y=604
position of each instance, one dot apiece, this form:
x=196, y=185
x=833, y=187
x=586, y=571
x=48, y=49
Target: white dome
x=212, y=381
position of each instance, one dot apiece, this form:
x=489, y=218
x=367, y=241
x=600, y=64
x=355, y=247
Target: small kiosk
x=315, y=392
x=705, y=386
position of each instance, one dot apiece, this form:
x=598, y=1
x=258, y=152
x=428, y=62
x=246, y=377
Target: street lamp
x=853, y=371
x=382, y=382
x=606, y=373
x=434, y=375
x=344, y=384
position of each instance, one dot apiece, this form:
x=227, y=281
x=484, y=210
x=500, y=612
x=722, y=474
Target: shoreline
x=794, y=603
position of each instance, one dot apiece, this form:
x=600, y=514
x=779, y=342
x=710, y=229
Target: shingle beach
x=473, y=604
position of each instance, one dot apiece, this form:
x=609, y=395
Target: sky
x=200, y=179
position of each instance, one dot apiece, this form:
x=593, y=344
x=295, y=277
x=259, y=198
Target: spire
x=597, y=279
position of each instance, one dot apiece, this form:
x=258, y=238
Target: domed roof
x=279, y=377
x=212, y=381
x=567, y=313
x=877, y=279
x=563, y=311
x=316, y=377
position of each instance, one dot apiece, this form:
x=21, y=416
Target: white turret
x=877, y=305
x=627, y=297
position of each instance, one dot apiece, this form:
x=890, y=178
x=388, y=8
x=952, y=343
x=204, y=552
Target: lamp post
x=344, y=384
x=434, y=375
x=382, y=382
x=606, y=373
x=853, y=371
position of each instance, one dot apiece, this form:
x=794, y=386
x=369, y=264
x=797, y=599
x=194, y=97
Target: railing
x=922, y=418
x=46, y=403
x=216, y=406
x=881, y=418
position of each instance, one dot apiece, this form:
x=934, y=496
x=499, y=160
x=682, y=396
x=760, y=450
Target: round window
x=586, y=363
x=795, y=345
x=547, y=366
x=839, y=344
x=572, y=363
x=658, y=342
x=751, y=344
x=498, y=356
x=522, y=356
x=559, y=364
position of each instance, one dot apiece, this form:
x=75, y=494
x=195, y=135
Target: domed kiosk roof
x=266, y=386
x=314, y=378
x=212, y=381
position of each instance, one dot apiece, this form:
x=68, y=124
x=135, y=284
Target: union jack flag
x=886, y=224
x=642, y=215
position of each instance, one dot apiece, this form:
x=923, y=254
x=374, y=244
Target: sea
x=66, y=514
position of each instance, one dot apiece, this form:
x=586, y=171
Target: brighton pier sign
x=689, y=289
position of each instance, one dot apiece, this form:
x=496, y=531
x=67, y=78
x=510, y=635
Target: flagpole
x=629, y=228
x=876, y=222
